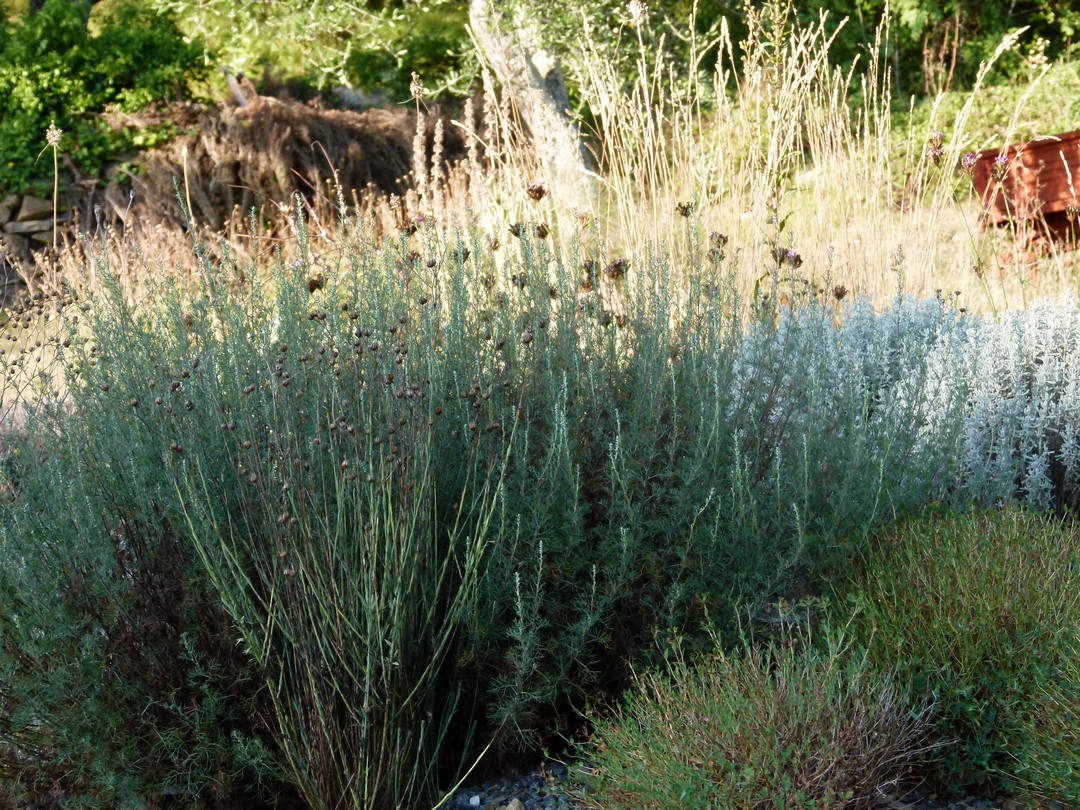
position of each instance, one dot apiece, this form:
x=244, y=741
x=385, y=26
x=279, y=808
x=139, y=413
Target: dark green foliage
x=982, y=26
x=923, y=34
x=435, y=45
x=981, y=610
x=920, y=44
x=53, y=69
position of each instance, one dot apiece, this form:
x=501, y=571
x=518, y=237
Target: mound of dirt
x=231, y=159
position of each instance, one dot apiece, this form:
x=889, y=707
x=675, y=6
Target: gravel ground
x=538, y=790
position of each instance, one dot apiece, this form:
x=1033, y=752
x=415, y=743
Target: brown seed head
x=617, y=269
x=537, y=190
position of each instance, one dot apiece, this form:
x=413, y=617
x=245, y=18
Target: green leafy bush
x=53, y=69
x=434, y=44
x=370, y=44
x=981, y=610
x=792, y=726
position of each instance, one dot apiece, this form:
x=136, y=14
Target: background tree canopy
x=61, y=65
x=938, y=44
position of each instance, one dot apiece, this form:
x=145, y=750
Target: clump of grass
x=351, y=560
x=774, y=148
x=981, y=610
x=782, y=726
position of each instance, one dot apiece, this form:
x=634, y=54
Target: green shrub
x=922, y=27
x=53, y=69
x=681, y=459
x=792, y=727
x=433, y=43
x=372, y=45
x=981, y=610
x=1046, y=747
x=674, y=466
x=658, y=461
x=250, y=458
x=348, y=552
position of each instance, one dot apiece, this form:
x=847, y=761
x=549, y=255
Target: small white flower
x=416, y=86
x=53, y=134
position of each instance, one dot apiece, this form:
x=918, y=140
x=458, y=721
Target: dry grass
x=789, y=151
x=783, y=153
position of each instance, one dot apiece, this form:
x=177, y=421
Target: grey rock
x=34, y=208
x=15, y=248
x=43, y=238
x=8, y=206
x=29, y=226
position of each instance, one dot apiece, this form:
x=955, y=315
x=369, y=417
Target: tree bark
x=534, y=80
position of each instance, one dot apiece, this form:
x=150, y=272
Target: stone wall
x=26, y=224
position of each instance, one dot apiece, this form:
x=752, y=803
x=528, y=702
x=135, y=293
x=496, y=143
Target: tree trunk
x=537, y=89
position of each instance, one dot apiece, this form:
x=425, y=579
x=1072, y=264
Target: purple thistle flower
x=936, y=148
x=1000, y=168
x=968, y=161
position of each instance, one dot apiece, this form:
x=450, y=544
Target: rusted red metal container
x=1035, y=185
